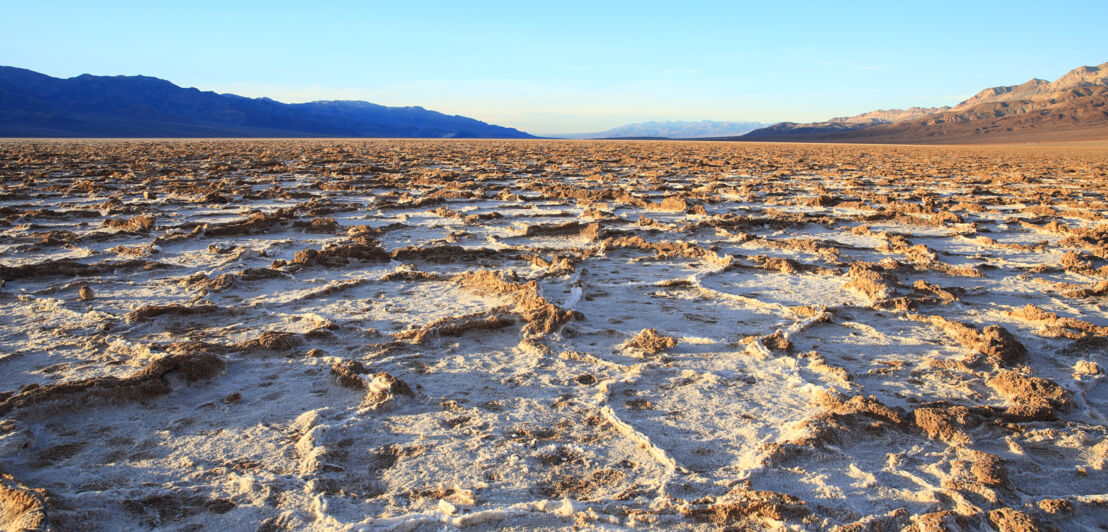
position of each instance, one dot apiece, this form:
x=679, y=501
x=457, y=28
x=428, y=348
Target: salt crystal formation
x=361, y=335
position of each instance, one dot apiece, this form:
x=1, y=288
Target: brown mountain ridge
x=1073, y=107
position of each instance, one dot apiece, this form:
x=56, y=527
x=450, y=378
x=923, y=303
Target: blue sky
x=568, y=66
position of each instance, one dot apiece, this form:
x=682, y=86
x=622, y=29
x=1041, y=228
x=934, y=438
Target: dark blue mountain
x=37, y=105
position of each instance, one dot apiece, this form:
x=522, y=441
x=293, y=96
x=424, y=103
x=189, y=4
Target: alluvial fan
x=363, y=335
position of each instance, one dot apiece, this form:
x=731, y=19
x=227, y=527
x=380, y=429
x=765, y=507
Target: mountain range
x=671, y=129
x=1073, y=107
x=37, y=105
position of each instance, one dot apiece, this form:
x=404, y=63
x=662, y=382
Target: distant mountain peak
x=1083, y=76
x=887, y=116
x=673, y=129
x=1072, y=106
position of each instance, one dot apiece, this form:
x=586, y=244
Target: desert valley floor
x=399, y=335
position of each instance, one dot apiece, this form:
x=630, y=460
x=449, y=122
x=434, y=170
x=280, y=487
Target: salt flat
x=400, y=335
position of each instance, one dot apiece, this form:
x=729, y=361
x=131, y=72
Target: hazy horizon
x=575, y=69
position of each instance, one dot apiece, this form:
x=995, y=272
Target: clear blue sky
x=568, y=66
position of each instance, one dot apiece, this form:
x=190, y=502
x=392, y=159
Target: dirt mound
x=279, y=341
x=146, y=383
x=257, y=222
x=944, y=296
x=226, y=281
x=72, y=268
x=946, y=423
x=542, y=316
x=384, y=388
x=337, y=256
x=650, y=342
x=448, y=254
x=1095, y=289
x=321, y=224
x=943, y=520
x=413, y=275
x=998, y=345
x=1031, y=397
x=455, y=326
x=152, y=311
x=839, y=422
x=666, y=250
x=743, y=506
x=555, y=266
x=1011, y=520
x=348, y=373
x=872, y=281
x=21, y=509
x=1055, y=326
x=994, y=342
x=571, y=228
x=670, y=204
x=777, y=341
x=135, y=224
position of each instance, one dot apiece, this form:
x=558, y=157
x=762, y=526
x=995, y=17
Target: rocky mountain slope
x=37, y=105
x=1070, y=108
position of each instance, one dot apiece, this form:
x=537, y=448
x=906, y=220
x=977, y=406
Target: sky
x=569, y=66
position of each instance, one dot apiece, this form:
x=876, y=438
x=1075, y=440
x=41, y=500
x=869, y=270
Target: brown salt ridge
x=72, y=268
x=994, y=342
x=743, y=506
x=151, y=311
x=1031, y=397
x=649, y=341
x=21, y=509
x=146, y=383
x=456, y=325
x=542, y=316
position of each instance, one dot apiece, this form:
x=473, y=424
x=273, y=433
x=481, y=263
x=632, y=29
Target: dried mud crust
x=448, y=334
x=146, y=383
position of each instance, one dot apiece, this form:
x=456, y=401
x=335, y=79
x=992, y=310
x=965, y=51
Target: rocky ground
x=400, y=335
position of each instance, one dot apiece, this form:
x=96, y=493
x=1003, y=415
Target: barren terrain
x=398, y=335
x=1072, y=108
